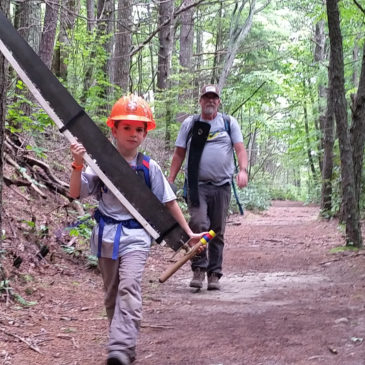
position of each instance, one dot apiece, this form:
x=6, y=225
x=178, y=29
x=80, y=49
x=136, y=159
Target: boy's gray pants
x=123, y=299
x=211, y=214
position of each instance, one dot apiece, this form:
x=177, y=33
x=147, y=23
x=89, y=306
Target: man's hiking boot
x=117, y=358
x=198, y=278
x=213, y=282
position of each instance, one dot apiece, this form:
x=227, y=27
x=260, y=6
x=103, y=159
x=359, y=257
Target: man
x=209, y=188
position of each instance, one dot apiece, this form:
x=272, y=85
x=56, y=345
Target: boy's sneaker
x=213, y=282
x=117, y=358
x=198, y=278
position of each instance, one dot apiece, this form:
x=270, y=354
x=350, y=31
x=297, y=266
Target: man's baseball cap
x=207, y=89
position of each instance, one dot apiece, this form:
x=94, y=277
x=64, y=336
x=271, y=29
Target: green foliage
x=17, y=119
x=253, y=197
x=286, y=193
x=84, y=227
x=6, y=288
x=4, y=285
x=24, y=302
x=83, y=230
x=30, y=229
x=343, y=249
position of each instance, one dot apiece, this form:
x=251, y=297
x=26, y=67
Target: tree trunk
x=320, y=57
x=353, y=231
x=49, y=33
x=27, y=22
x=123, y=42
x=186, y=36
x=4, y=7
x=106, y=18
x=69, y=10
x=355, y=59
x=186, y=52
x=218, y=46
x=358, y=130
x=165, y=36
x=238, y=33
x=198, y=58
x=90, y=11
x=309, y=149
x=327, y=141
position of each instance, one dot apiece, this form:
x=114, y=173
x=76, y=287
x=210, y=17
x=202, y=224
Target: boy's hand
x=195, y=238
x=78, y=151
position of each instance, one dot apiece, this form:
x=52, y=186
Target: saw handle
x=188, y=256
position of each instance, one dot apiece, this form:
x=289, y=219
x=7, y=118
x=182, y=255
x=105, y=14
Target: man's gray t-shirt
x=216, y=164
x=109, y=205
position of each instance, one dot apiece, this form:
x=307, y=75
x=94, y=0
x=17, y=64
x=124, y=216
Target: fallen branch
x=34, y=162
x=33, y=347
x=15, y=191
x=24, y=174
x=157, y=326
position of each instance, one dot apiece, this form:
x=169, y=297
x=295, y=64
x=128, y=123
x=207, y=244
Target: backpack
x=143, y=167
x=227, y=128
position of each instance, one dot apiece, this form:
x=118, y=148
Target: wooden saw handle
x=189, y=255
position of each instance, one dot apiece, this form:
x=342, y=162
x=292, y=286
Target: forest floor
x=288, y=297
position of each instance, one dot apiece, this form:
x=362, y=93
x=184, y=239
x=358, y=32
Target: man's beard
x=209, y=110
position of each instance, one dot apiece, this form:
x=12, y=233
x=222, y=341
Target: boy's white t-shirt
x=109, y=205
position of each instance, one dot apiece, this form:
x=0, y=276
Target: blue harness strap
x=143, y=167
x=104, y=219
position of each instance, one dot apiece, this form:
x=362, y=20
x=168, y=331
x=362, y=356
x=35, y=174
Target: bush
x=253, y=197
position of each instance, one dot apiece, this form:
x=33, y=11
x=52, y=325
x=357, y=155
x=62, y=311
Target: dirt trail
x=285, y=300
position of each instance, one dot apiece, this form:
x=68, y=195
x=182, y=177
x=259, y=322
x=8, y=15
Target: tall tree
x=90, y=12
x=358, y=130
x=186, y=36
x=27, y=22
x=166, y=38
x=350, y=206
x=186, y=50
x=123, y=43
x=69, y=11
x=49, y=33
x=238, y=33
x=4, y=7
x=327, y=127
x=326, y=123
x=218, y=45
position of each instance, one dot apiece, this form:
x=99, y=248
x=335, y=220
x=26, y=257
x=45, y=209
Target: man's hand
x=242, y=178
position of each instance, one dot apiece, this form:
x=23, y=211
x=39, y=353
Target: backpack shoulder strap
x=143, y=167
x=227, y=123
x=196, y=118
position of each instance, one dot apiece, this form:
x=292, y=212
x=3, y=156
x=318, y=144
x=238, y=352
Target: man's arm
x=177, y=160
x=242, y=177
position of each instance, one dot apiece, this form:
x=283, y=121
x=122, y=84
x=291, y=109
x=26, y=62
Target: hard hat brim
x=151, y=124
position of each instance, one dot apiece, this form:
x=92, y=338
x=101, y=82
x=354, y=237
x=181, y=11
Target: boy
x=118, y=240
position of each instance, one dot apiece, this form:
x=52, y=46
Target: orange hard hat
x=132, y=108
